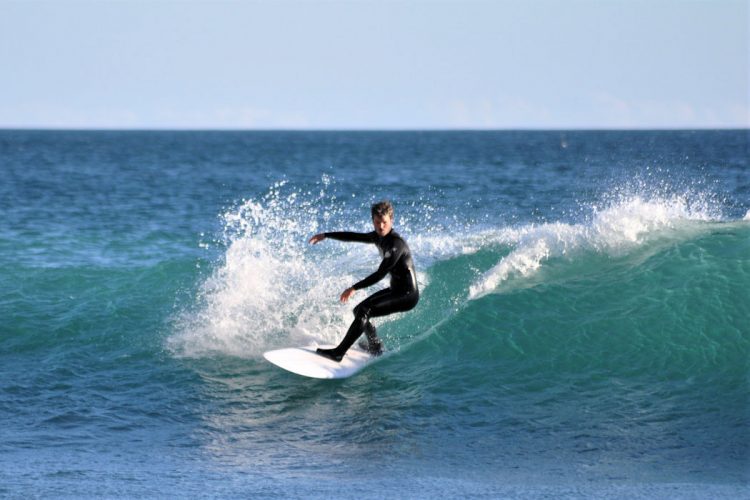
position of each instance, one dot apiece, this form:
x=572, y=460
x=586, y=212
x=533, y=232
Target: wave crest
x=612, y=230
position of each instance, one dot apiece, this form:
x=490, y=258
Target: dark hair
x=382, y=208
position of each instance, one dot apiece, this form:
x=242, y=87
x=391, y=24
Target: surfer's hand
x=317, y=238
x=347, y=293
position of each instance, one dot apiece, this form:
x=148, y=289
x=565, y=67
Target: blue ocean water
x=583, y=329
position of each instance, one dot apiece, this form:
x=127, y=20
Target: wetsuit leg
x=378, y=304
x=373, y=344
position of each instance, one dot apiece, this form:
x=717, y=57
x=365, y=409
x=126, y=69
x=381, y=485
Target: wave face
x=628, y=327
x=582, y=326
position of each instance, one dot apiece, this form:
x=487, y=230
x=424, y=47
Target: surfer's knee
x=362, y=312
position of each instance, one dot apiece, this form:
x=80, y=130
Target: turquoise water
x=583, y=329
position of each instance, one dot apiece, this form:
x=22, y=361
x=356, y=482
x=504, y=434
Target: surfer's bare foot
x=330, y=354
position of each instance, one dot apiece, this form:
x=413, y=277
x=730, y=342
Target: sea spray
x=269, y=288
x=612, y=230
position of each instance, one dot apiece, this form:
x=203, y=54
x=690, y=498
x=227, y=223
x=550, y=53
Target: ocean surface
x=584, y=327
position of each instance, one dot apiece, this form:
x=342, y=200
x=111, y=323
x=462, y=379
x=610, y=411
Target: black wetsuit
x=402, y=295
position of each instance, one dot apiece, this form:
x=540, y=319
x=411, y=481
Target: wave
x=271, y=289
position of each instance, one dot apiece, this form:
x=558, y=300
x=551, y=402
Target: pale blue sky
x=375, y=65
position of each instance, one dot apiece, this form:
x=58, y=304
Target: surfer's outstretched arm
x=370, y=237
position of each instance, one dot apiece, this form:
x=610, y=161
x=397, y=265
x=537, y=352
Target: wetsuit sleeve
x=350, y=236
x=389, y=261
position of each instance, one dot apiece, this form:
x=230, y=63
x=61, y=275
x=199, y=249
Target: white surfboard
x=306, y=362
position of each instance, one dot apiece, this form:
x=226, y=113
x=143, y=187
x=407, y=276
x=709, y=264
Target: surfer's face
x=383, y=224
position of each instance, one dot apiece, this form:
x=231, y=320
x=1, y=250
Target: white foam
x=612, y=230
x=272, y=287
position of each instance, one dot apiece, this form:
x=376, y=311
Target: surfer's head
x=382, y=217
x=382, y=208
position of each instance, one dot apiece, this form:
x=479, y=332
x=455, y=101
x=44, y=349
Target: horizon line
x=373, y=129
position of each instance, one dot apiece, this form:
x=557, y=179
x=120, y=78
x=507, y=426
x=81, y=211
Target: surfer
x=403, y=293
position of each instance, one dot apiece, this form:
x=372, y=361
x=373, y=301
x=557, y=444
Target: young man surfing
x=403, y=293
